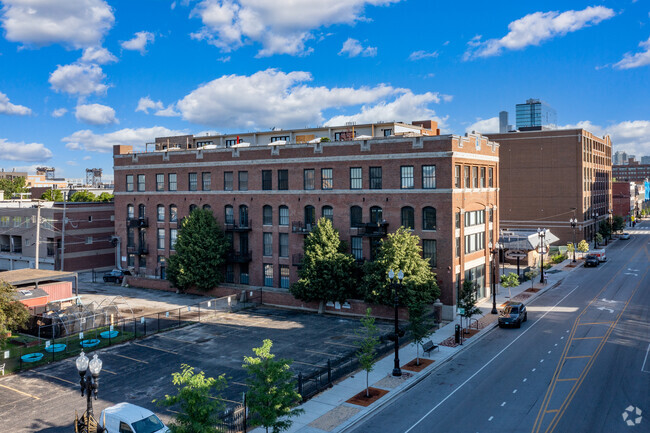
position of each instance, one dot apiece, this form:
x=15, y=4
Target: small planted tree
x=531, y=276
x=618, y=223
x=420, y=326
x=570, y=247
x=198, y=399
x=13, y=314
x=272, y=391
x=599, y=238
x=511, y=280
x=604, y=229
x=467, y=300
x=367, y=346
x=583, y=246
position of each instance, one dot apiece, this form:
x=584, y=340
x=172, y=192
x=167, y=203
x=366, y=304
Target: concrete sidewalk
x=330, y=412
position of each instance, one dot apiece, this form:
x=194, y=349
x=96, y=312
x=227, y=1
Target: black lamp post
x=611, y=218
x=494, y=251
x=542, y=235
x=89, y=374
x=397, y=371
x=574, y=223
x=595, y=215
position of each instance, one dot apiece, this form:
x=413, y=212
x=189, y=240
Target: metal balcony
x=139, y=250
x=373, y=230
x=239, y=257
x=138, y=222
x=243, y=226
x=301, y=228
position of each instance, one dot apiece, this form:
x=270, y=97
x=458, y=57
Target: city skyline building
x=535, y=114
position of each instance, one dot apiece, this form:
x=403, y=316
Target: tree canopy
x=400, y=251
x=468, y=300
x=84, y=196
x=200, y=253
x=105, y=197
x=13, y=186
x=52, y=195
x=13, y=314
x=327, y=273
x=583, y=246
x=618, y=223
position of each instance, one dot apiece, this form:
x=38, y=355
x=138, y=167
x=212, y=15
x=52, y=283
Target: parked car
x=625, y=236
x=129, y=418
x=591, y=260
x=513, y=314
x=115, y=276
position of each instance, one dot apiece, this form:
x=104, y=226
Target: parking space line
x=108, y=371
x=128, y=357
x=341, y=344
x=238, y=383
x=20, y=392
x=174, y=339
x=58, y=378
x=322, y=353
x=155, y=348
x=306, y=363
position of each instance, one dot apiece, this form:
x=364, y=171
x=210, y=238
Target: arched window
x=230, y=214
x=243, y=215
x=160, y=212
x=130, y=211
x=376, y=214
x=284, y=215
x=429, y=218
x=267, y=215
x=141, y=211
x=193, y=207
x=173, y=213
x=207, y=207
x=328, y=212
x=356, y=216
x=408, y=217
x=310, y=215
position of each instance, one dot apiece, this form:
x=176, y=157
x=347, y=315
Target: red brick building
x=268, y=194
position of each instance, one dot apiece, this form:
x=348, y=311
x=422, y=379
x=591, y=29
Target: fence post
x=329, y=372
x=135, y=329
x=300, y=385
x=245, y=413
x=158, y=323
x=199, y=312
x=179, y=317
x=145, y=325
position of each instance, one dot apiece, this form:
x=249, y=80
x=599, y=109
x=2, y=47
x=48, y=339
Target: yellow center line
x=588, y=338
x=58, y=378
x=128, y=357
x=567, y=380
x=156, y=348
x=552, y=411
x=576, y=357
x=595, y=323
x=20, y=392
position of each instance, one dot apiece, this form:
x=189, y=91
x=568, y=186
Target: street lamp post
x=397, y=371
x=89, y=374
x=542, y=235
x=494, y=251
x=595, y=215
x=611, y=220
x=574, y=223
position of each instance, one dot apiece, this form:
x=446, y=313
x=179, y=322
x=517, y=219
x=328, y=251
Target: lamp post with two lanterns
x=574, y=223
x=542, y=237
x=396, y=286
x=89, y=381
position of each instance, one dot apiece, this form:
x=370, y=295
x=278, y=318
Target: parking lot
x=45, y=399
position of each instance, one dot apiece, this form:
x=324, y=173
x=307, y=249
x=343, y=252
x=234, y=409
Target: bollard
x=329, y=373
x=457, y=334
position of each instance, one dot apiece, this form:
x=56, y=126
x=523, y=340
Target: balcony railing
x=377, y=230
x=301, y=228
x=138, y=222
x=140, y=249
x=239, y=257
x=242, y=226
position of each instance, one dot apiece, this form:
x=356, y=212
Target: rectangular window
x=171, y=182
x=193, y=181
x=280, y=138
x=160, y=182
x=429, y=252
x=89, y=240
x=267, y=180
x=141, y=182
x=474, y=177
x=17, y=221
x=284, y=216
x=161, y=239
x=284, y=245
x=268, y=244
x=482, y=178
x=243, y=180
x=283, y=180
x=227, y=180
x=230, y=273
x=375, y=177
x=284, y=276
x=406, y=177
x=173, y=235
x=308, y=178
x=491, y=214
x=356, y=245
x=466, y=175
x=231, y=142
x=457, y=220
x=428, y=177
x=129, y=182
x=457, y=176
x=161, y=213
x=243, y=273
x=490, y=177
x=388, y=132
x=206, y=181
x=268, y=275
x=457, y=246
x=326, y=178
x=356, y=181
x=345, y=136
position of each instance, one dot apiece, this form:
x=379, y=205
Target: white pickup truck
x=129, y=418
x=602, y=257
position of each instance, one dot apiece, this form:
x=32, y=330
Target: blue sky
x=78, y=76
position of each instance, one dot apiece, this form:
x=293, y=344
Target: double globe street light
x=574, y=223
x=89, y=381
x=396, y=286
x=542, y=237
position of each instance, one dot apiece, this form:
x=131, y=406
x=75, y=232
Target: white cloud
x=405, y=108
x=537, y=27
x=224, y=59
x=7, y=107
x=170, y=111
x=631, y=136
x=139, y=42
x=89, y=141
x=78, y=79
x=484, y=126
x=419, y=55
x=98, y=55
x=59, y=112
x=353, y=48
x=21, y=151
x=72, y=23
x=271, y=98
x=87, y=158
x=95, y=114
x=145, y=104
x=635, y=60
x=72, y=163
x=281, y=26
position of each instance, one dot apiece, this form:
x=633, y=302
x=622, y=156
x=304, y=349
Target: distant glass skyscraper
x=535, y=115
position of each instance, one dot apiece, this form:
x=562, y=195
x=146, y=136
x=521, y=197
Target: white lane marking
x=525, y=379
x=491, y=418
x=489, y=362
x=503, y=404
x=644, y=361
x=549, y=351
x=555, y=344
x=514, y=392
x=541, y=360
x=534, y=369
x=567, y=331
x=608, y=309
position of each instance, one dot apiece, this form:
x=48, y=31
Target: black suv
x=591, y=260
x=115, y=276
x=513, y=314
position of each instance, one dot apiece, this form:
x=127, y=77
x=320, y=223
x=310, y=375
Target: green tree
x=420, y=326
x=367, y=346
x=599, y=238
x=511, y=280
x=570, y=247
x=200, y=253
x=271, y=389
x=84, y=196
x=13, y=314
x=52, y=195
x=467, y=300
x=583, y=246
x=604, y=229
x=327, y=273
x=13, y=186
x=531, y=276
x=618, y=223
x=401, y=250
x=105, y=197
x=199, y=400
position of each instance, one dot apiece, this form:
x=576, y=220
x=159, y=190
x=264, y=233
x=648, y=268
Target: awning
x=526, y=240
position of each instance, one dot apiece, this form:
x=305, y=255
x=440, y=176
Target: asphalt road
x=579, y=364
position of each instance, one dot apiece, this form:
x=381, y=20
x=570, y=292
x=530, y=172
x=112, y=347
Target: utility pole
x=38, y=231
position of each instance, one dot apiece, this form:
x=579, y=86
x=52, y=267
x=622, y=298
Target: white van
x=129, y=418
x=600, y=254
